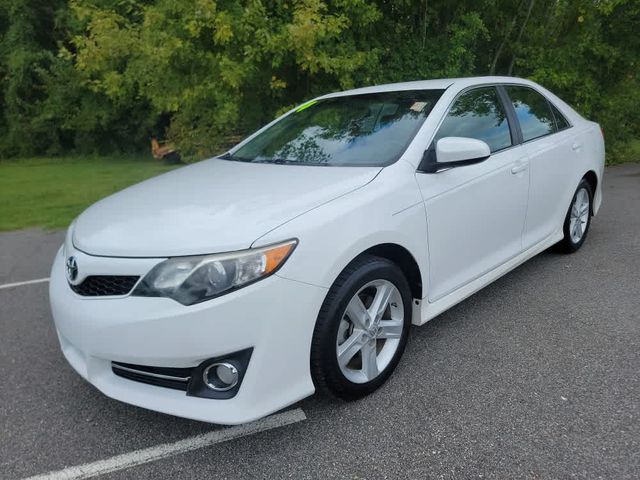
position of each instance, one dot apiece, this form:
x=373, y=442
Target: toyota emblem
x=72, y=269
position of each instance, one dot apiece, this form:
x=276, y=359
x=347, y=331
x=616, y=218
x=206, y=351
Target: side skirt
x=427, y=311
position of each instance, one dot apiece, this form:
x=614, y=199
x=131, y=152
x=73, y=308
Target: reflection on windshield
x=372, y=129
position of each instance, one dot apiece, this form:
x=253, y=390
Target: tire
x=343, y=326
x=576, y=228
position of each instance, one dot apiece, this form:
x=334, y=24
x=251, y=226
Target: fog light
x=220, y=376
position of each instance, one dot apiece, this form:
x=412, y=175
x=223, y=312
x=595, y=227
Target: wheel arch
x=592, y=179
x=404, y=259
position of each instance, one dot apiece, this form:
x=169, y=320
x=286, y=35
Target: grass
x=627, y=152
x=50, y=192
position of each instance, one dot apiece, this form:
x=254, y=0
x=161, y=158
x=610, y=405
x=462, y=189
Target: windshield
x=358, y=130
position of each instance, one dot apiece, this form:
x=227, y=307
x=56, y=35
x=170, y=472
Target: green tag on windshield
x=304, y=106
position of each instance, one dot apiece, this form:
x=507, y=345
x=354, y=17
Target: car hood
x=211, y=206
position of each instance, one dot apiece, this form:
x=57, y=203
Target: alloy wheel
x=579, y=215
x=370, y=330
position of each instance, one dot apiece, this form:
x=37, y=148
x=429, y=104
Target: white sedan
x=231, y=288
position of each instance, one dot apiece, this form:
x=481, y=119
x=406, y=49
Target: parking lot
x=536, y=376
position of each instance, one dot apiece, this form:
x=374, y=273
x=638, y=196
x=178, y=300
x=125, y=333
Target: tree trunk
x=496, y=57
x=522, y=27
x=424, y=24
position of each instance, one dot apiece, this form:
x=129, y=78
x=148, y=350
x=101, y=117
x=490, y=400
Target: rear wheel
x=578, y=219
x=362, y=328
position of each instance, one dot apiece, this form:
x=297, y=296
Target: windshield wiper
x=233, y=158
x=284, y=161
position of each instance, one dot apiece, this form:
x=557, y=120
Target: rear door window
x=533, y=112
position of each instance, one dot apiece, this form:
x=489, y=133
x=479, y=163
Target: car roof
x=435, y=84
x=459, y=84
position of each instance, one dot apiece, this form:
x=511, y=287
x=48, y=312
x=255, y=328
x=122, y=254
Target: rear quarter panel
x=593, y=156
x=595, y=159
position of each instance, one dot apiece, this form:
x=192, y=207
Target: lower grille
x=176, y=378
x=193, y=381
x=105, y=285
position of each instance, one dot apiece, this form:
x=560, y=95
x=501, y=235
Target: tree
x=27, y=49
x=105, y=75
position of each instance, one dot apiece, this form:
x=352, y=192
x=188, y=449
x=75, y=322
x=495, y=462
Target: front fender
x=387, y=210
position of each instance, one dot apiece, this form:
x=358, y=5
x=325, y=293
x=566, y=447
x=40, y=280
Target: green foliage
x=105, y=75
x=28, y=32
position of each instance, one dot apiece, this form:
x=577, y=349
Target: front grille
x=177, y=378
x=104, y=285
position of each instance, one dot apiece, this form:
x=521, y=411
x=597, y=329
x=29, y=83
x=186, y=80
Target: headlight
x=190, y=280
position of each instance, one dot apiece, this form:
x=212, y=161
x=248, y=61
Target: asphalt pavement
x=535, y=376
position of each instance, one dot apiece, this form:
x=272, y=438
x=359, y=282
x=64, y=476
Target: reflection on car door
x=476, y=213
x=553, y=148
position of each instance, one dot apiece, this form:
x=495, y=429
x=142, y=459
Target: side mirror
x=452, y=152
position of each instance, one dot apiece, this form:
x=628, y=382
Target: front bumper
x=275, y=317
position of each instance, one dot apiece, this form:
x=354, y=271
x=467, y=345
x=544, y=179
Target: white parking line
x=139, y=457
x=28, y=282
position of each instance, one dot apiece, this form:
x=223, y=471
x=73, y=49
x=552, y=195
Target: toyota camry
x=297, y=261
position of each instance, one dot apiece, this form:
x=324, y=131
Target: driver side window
x=478, y=114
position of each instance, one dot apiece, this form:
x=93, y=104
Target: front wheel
x=578, y=219
x=362, y=328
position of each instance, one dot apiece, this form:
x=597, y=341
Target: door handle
x=576, y=146
x=519, y=167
